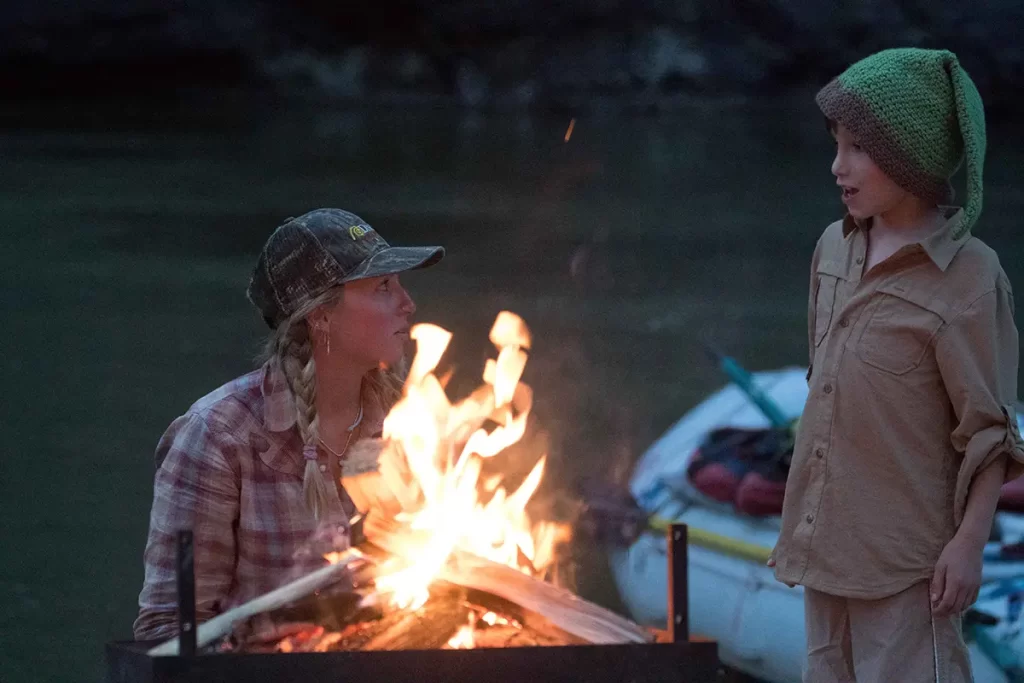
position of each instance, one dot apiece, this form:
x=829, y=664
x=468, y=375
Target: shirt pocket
x=824, y=303
x=900, y=329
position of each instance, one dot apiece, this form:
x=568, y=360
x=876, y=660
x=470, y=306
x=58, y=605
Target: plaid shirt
x=230, y=469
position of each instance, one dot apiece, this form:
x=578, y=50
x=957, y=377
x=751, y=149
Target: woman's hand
x=957, y=576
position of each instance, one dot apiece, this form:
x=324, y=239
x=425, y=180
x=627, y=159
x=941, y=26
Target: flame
x=443, y=495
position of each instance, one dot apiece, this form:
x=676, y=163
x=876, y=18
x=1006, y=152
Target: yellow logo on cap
x=357, y=231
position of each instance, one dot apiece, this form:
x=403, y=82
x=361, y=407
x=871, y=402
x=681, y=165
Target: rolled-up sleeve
x=195, y=488
x=978, y=356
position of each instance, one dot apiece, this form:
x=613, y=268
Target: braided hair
x=290, y=347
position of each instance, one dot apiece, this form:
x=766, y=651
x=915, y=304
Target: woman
x=253, y=468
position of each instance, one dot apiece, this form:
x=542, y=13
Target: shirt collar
x=940, y=245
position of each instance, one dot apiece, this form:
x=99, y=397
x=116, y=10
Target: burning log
x=578, y=617
x=565, y=618
x=427, y=629
x=585, y=620
x=454, y=617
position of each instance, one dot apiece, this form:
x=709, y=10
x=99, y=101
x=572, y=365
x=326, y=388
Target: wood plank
x=222, y=624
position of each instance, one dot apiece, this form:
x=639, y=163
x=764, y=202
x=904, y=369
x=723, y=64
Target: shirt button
x=860, y=260
x=820, y=453
x=809, y=518
x=827, y=388
x=323, y=468
x=844, y=322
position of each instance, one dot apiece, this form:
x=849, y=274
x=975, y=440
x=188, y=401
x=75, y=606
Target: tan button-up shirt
x=912, y=384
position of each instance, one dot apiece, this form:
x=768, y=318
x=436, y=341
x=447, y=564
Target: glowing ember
x=444, y=498
x=492, y=619
x=337, y=556
x=463, y=638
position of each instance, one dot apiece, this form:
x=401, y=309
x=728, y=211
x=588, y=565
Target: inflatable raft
x=734, y=597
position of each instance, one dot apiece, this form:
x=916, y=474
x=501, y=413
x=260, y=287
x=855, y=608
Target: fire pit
x=674, y=658
x=448, y=581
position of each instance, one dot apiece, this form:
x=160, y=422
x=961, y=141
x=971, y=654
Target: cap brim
x=395, y=260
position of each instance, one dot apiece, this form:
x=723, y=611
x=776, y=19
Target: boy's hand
x=771, y=563
x=957, y=577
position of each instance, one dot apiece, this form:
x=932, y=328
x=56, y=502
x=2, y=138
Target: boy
x=909, y=430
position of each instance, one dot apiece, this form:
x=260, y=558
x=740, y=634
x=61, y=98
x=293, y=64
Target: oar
x=745, y=381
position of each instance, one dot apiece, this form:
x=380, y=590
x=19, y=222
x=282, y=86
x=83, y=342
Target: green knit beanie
x=917, y=114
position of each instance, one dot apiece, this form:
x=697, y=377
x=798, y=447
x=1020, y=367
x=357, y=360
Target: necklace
x=351, y=430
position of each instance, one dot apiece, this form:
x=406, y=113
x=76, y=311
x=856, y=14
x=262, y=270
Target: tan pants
x=892, y=640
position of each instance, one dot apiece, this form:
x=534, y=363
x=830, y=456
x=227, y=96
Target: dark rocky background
x=609, y=54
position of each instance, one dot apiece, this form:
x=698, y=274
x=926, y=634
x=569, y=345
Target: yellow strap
x=718, y=543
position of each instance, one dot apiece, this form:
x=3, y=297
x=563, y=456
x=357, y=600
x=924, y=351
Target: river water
x=130, y=229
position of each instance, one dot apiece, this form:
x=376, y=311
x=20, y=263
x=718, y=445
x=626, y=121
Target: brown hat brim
x=394, y=260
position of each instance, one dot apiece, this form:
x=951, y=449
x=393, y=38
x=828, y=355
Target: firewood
x=429, y=627
x=512, y=618
x=221, y=625
x=564, y=609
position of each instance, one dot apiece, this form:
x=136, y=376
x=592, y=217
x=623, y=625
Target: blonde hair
x=290, y=346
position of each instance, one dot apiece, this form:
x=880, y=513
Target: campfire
x=449, y=578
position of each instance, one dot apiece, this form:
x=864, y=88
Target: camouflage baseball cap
x=321, y=249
